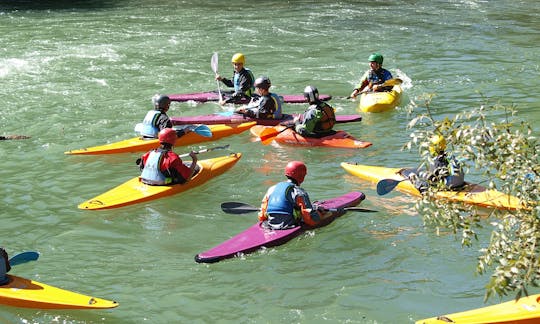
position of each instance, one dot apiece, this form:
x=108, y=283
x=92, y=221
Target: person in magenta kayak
x=4, y=266
x=374, y=77
x=242, y=81
x=162, y=166
x=287, y=205
x=267, y=105
x=319, y=119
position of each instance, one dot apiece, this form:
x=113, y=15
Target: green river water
x=79, y=74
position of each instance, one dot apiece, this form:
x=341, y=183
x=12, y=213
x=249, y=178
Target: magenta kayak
x=214, y=96
x=226, y=118
x=257, y=236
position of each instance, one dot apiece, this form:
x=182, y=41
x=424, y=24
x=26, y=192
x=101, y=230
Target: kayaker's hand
x=138, y=161
x=241, y=111
x=218, y=77
x=193, y=155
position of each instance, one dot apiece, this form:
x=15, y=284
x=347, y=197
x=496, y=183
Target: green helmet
x=376, y=57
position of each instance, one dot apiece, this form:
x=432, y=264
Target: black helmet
x=161, y=102
x=263, y=83
x=311, y=93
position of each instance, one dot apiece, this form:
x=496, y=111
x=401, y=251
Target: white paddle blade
x=214, y=62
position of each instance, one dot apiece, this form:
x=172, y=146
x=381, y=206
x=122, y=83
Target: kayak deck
x=21, y=292
x=375, y=102
x=214, y=96
x=258, y=236
x=525, y=310
x=137, y=144
x=239, y=118
x=470, y=194
x=340, y=139
x=134, y=191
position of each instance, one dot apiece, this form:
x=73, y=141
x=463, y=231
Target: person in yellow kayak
x=162, y=166
x=374, y=77
x=319, y=119
x=443, y=168
x=287, y=205
x=242, y=81
x=267, y=106
x=4, y=266
x=157, y=119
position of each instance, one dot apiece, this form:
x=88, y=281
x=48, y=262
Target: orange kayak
x=340, y=139
x=137, y=144
x=134, y=191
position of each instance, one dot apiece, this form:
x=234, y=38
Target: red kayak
x=214, y=96
x=258, y=236
x=232, y=118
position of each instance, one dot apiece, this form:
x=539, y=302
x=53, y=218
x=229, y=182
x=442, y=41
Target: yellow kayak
x=375, y=102
x=524, y=311
x=470, y=194
x=21, y=292
x=134, y=191
x=137, y=144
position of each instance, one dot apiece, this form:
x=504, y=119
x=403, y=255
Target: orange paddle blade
x=268, y=135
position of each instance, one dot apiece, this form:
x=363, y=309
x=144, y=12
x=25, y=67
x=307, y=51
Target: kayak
x=137, y=144
x=258, y=236
x=525, y=310
x=375, y=102
x=471, y=193
x=340, y=139
x=239, y=118
x=214, y=96
x=134, y=191
x=21, y=292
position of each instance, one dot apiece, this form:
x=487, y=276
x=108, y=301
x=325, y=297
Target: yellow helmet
x=238, y=58
x=437, y=145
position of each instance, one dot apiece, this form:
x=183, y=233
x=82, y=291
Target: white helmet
x=311, y=93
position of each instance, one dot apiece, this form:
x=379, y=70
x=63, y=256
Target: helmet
x=311, y=93
x=296, y=170
x=161, y=102
x=437, y=144
x=262, y=82
x=238, y=58
x=376, y=57
x=167, y=135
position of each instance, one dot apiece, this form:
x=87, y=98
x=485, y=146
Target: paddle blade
x=232, y=207
x=214, y=62
x=203, y=130
x=268, y=135
x=386, y=185
x=23, y=257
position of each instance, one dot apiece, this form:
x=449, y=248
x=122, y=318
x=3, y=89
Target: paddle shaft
x=207, y=150
x=242, y=208
x=12, y=137
x=268, y=138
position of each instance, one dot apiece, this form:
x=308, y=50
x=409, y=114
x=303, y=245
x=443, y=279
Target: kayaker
x=4, y=266
x=157, y=119
x=319, y=119
x=242, y=81
x=267, y=105
x=287, y=205
x=162, y=166
x=442, y=167
x=374, y=77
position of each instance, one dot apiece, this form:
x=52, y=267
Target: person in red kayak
x=162, y=166
x=374, y=77
x=319, y=119
x=287, y=205
x=267, y=106
x=242, y=81
x=4, y=266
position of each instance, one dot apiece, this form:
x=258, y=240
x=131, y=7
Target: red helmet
x=167, y=135
x=296, y=170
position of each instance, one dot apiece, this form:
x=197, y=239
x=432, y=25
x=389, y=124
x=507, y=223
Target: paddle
x=214, y=64
x=387, y=83
x=13, y=137
x=207, y=150
x=202, y=130
x=268, y=135
x=233, y=207
x=386, y=185
x=23, y=258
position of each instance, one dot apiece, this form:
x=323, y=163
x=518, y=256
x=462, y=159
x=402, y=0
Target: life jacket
x=151, y=173
x=237, y=86
x=277, y=101
x=149, y=128
x=4, y=267
x=455, y=177
x=327, y=120
x=278, y=202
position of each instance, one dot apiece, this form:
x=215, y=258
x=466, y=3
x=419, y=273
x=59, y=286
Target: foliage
x=501, y=149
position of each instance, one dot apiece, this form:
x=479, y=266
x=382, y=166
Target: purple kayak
x=226, y=118
x=257, y=236
x=214, y=96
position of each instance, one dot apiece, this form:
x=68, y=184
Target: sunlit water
x=78, y=75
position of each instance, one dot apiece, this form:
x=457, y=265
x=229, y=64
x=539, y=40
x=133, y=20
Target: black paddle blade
x=386, y=185
x=233, y=207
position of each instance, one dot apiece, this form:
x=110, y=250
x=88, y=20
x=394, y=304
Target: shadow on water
x=57, y=4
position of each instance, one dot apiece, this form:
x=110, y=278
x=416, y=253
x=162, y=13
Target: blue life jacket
x=149, y=128
x=378, y=77
x=3, y=271
x=278, y=202
x=151, y=174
